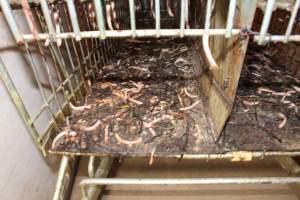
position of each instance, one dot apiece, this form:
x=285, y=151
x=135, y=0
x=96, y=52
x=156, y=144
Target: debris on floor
x=147, y=100
x=154, y=59
x=266, y=113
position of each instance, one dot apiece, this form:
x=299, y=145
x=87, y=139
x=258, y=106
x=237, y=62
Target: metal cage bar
x=72, y=73
x=205, y=37
x=181, y=181
x=100, y=18
x=292, y=20
x=132, y=17
x=94, y=52
x=61, y=177
x=266, y=21
x=230, y=18
x=74, y=21
x=6, y=9
x=157, y=17
x=182, y=18
x=227, y=31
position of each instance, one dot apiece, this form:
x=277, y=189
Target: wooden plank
x=229, y=55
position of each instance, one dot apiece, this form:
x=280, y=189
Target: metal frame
x=228, y=31
x=91, y=56
x=234, y=155
x=78, y=72
x=190, y=181
x=91, y=40
x=90, y=187
x=61, y=177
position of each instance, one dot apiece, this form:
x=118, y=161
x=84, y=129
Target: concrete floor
x=138, y=168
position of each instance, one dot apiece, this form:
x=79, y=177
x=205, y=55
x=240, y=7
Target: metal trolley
x=85, y=29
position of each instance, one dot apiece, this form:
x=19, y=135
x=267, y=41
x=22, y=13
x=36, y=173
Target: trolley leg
x=102, y=171
x=289, y=165
x=61, y=177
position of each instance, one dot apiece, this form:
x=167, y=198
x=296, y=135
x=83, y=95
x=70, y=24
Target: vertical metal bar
x=30, y=20
x=132, y=17
x=60, y=179
x=97, y=41
x=109, y=42
x=75, y=49
x=208, y=15
x=91, y=53
x=97, y=47
x=102, y=52
x=186, y=14
x=73, y=16
x=55, y=59
x=100, y=18
x=230, y=18
x=72, y=63
x=106, y=49
x=87, y=49
x=51, y=29
x=101, y=171
x=182, y=17
x=157, y=17
x=266, y=21
x=60, y=68
x=289, y=165
x=89, y=58
x=48, y=19
x=205, y=37
x=37, y=78
x=16, y=98
x=49, y=77
x=115, y=45
x=292, y=20
x=91, y=170
x=7, y=11
x=85, y=69
x=61, y=60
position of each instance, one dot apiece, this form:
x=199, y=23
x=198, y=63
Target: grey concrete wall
x=24, y=173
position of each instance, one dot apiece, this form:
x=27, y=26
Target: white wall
x=23, y=171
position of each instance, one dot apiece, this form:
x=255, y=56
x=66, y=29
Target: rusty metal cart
x=76, y=41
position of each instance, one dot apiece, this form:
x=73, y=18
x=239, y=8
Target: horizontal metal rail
x=279, y=38
x=183, y=181
x=215, y=156
x=102, y=33
x=189, y=181
x=128, y=33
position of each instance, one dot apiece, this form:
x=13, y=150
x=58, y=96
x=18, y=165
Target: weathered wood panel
x=220, y=84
